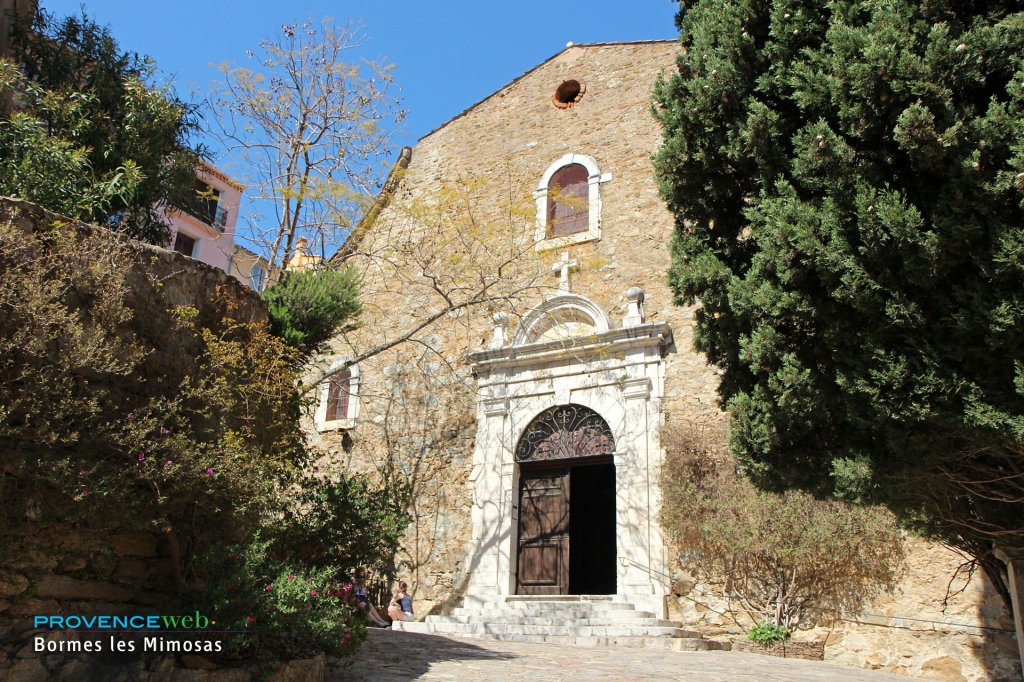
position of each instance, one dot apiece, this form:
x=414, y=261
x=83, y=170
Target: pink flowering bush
x=279, y=607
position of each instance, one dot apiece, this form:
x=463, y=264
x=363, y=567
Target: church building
x=571, y=381
x=514, y=282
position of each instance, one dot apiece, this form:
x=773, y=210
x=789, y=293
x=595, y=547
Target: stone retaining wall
x=914, y=631
x=55, y=562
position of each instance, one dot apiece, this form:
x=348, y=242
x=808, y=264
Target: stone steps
x=488, y=615
x=570, y=628
x=637, y=642
x=636, y=619
x=577, y=620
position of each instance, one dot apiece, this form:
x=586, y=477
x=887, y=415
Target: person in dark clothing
x=363, y=602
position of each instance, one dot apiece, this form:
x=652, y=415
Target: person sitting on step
x=400, y=607
x=363, y=602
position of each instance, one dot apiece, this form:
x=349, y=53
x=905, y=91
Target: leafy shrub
x=785, y=557
x=275, y=606
x=92, y=134
x=768, y=633
x=351, y=524
x=129, y=415
x=308, y=307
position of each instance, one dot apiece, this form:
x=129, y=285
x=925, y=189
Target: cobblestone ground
x=393, y=656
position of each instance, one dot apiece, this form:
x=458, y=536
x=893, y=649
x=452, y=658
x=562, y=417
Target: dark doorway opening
x=592, y=529
x=567, y=528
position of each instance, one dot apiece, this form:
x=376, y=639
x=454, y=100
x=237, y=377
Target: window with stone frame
x=339, y=390
x=569, y=201
x=339, y=400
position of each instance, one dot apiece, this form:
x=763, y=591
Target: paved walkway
x=398, y=656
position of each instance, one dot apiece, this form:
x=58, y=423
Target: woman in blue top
x=400, y=607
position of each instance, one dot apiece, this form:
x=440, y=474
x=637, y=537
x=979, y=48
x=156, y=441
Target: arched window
x=257, y=278
x=568, y=201
x=338, y=407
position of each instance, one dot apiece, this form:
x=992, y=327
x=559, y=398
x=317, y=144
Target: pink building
x=209, y=234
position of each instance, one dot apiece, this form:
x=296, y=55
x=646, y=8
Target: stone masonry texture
x=466, y=199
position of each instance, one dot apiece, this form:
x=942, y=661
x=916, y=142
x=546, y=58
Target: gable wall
x=495, y=154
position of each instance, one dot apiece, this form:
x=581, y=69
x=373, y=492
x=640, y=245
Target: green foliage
x=786, y=557
x=123, y=413
x=85, y=131
x=767, y=633
x=351, y=524
x=307, y=308
x=847, y=183
x=97, y=410
x=275, y=606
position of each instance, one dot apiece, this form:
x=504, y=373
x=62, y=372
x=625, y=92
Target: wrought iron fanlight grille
x=565, y=432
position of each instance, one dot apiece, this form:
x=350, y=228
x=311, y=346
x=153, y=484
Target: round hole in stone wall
x=568, y=93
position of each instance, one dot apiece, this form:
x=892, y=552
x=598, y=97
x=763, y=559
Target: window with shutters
x=569, y=202
x=339, y=400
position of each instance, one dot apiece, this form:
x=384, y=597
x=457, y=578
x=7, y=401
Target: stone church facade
x=525, y=245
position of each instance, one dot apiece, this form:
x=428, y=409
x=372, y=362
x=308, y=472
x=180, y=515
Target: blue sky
x=447, y=54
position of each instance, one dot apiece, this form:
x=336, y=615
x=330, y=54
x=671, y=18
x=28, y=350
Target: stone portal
x=566, y=467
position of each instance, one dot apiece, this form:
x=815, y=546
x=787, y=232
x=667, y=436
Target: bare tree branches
x=308, y=123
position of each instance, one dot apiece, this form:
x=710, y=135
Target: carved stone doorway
x=566, y=526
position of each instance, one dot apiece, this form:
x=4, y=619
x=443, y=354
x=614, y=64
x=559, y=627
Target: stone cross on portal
x=563, y=267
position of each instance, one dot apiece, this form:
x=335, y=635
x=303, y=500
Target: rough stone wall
x=417, y=401
x=915, y=630
x=81, y=565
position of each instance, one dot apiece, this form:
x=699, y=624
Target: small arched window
x=568, y=201
x=257, y=278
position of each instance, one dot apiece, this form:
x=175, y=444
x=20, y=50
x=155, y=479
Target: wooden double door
x=567, y=528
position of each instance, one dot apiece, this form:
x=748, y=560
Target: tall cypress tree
x=848, y=184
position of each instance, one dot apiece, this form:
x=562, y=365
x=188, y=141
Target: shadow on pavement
x=390, y=656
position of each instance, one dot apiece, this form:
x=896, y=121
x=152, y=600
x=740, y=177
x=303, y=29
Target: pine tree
x=848, y=184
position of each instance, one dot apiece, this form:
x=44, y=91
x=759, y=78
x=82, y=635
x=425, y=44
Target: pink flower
x=163, y=431
x=131, y=415
x=267, y=587
x=209, y=472
x=249, y=619
x=141, y=457
x=313, y=592
x=291, y=577
x=310, y=580
x=169, y=462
